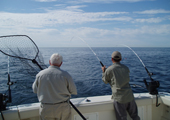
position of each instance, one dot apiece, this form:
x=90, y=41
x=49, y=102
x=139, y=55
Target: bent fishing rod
x=150, y=74
x=150, y=86
x=22, y=48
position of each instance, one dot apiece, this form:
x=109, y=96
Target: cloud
x=56, y=27
x=98, y=33
x=52, y=18
x=156, y=30
x=93, y=36
x=75, y=8
x=150, y=20
x=69, y=16
x=159, y=11
x=104, y=37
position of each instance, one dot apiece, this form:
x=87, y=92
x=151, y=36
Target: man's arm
x=71, y=86
x=35, y=85
x=105, y=75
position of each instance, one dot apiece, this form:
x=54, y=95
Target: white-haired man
x=54, y=88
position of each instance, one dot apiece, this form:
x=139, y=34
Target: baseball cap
x=116, y=55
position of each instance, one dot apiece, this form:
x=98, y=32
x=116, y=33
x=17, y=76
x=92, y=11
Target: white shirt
x=53, y=85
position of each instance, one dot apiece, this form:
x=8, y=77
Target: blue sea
x=85, y=69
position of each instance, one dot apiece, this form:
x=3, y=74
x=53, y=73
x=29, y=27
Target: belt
x=54, y=103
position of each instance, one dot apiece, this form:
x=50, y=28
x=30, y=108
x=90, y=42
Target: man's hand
x=104, y=68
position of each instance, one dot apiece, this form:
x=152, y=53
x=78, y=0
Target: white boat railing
x=99, y=108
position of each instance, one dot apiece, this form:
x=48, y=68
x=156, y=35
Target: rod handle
x=101, y=64
x=9, y=90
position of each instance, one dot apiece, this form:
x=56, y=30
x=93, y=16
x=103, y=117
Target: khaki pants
x=55, y=112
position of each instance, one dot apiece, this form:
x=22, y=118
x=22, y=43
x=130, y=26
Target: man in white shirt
x=54, y=88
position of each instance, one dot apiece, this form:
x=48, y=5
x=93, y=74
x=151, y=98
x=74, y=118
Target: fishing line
x=89, y=48
x=150, y=74
x=135, y=54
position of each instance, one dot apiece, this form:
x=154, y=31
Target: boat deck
x=99, y=108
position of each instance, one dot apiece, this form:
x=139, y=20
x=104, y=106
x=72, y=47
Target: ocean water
x=86, y=71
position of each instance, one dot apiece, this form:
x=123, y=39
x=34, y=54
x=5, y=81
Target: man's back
x=117, y=75
x=54, y=85
x=120, y=74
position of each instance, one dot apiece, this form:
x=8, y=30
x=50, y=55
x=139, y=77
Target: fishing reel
x=3, y=98
x=152, y=88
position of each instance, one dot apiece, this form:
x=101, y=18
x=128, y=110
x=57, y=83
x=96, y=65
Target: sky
x=100, y=23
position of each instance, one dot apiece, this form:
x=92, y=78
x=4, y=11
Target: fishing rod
x=4, y=96
x=150, y=86
x=9, y=84
x=90, y=49
x=150, y=74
